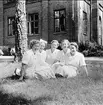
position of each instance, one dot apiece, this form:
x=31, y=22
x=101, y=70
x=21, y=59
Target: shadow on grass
x=41, y=100
x=13, y=78
x=8, y=99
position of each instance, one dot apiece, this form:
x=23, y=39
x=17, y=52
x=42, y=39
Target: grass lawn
x=61, y=91
x=72, y=91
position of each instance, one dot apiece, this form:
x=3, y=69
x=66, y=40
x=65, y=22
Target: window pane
x=9, y=21
x=36, y=30
x=11, y=26
x=31, y=17
x=62, y=13
x=32, y=27
x=57, y=28
x=10, y=30
x=28, y=27
x=85, y=22
x=36, y=17
x=56, y=14
x=62, y=21
x=36, y=24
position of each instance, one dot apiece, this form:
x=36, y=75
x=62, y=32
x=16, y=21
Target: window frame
x=85, y=25
x=63, y=9
x=11, y=25
x=29, y=21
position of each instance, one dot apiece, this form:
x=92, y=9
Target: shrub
x=6, y=50
x=91, y=49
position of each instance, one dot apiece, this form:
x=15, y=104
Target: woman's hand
x=82, y=71
x=21, y=78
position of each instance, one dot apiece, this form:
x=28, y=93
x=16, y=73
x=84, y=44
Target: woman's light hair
x=55, y=41
x=34, y=42
x=65, y=40
x=43, y=41
x=74, y=44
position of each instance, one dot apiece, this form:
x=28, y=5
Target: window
x=33, y=24
x=11, y=26
x=85, y=22
x=59, y=20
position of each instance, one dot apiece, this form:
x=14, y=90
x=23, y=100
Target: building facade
x=76, y=20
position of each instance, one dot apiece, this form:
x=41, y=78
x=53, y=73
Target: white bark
x=21, y=25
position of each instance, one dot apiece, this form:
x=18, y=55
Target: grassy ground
x=61, y=91
x=73, y=91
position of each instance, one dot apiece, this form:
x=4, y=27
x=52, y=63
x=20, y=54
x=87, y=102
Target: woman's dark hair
x=33, y=42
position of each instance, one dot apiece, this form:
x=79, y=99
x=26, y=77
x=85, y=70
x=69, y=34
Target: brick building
x=76, y=20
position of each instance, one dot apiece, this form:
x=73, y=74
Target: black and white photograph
x=51, y=52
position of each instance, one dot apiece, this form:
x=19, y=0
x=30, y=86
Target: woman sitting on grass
x=33, y=66
x=62, y=58
x=70, y=63
x=52, y=52
x=43, y=44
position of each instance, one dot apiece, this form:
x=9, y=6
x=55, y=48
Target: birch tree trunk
x=21, y=29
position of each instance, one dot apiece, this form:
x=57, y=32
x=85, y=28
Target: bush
x=91, y=49
x=6, y=50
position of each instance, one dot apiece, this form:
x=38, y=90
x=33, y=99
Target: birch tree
x=21, y=29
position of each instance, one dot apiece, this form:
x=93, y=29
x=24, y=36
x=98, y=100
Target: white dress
x=43, y=55
x=69, y=64
x=51, y=56
x=36, y=65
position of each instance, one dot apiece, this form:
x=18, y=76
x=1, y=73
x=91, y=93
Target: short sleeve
x=26, y=58
x=82, y=60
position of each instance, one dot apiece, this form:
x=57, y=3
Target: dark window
x=11, y=26
x=85, y=20
x=33, y=24
x=59, y=20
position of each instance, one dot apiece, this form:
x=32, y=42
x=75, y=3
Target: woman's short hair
x=65, y=40
x=34, y=42
x=74, y=44
x=55, y=41
x=43, y=41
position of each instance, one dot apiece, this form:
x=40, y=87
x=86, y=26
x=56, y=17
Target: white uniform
x=69, y=64
x=51, y=56
x=36, y=65
x=43, y=55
